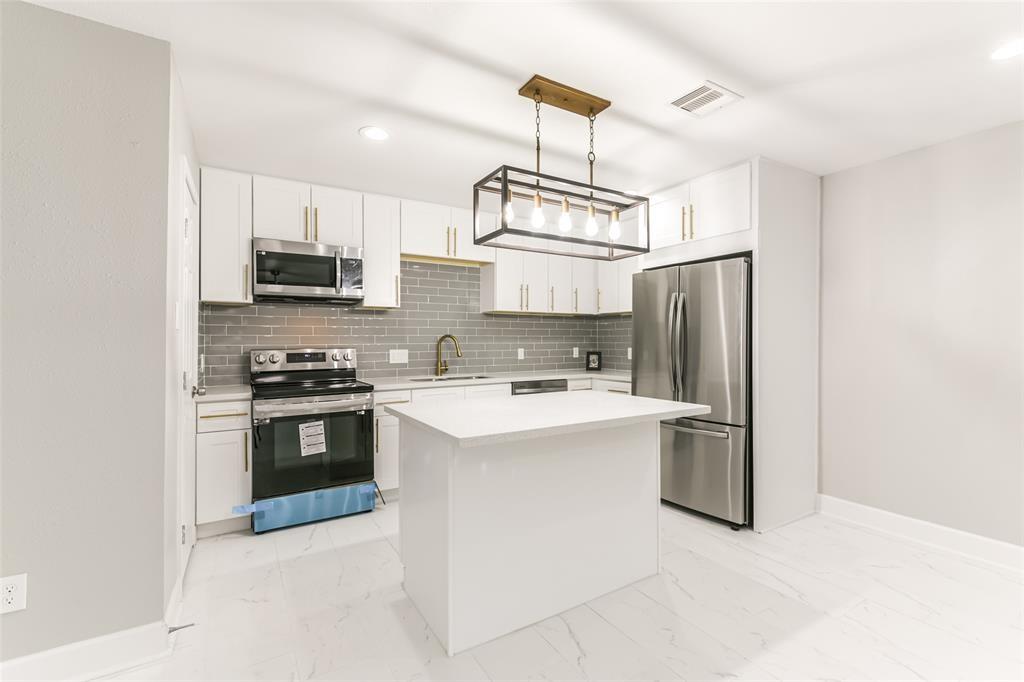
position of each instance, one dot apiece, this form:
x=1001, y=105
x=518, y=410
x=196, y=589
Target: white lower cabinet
x=385, y=453
x=611, y=386
x=223, y=473
x=447, y=393
x=489, y=391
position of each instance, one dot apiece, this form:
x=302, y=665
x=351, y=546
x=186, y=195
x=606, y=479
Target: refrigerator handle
x=672, y=373
x=680, y=343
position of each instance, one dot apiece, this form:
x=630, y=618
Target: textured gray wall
x=615, y=335
x=436, y=299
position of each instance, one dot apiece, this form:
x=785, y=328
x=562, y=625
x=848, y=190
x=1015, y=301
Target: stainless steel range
x=312, y=436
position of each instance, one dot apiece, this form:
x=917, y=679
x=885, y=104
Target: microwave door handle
x=337, y=271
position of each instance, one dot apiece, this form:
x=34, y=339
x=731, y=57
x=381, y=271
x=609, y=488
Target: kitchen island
x=517, y=508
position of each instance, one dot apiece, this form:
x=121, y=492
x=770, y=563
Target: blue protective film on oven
x=315, y=505
x=262, y=505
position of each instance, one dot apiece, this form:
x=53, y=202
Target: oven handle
x=262, y=413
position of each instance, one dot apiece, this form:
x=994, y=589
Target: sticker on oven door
x=311, y=438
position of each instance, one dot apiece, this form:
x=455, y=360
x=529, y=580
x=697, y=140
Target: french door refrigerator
x=691, y=343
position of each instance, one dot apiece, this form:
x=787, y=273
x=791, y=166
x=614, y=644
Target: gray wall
x=921, y=334
x=615, y=335
x=84, y=214
x=436, y=299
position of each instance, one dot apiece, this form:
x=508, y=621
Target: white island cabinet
x=493, y=537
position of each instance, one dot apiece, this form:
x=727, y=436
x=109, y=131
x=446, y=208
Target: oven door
x=301, y=445
x=302, y=271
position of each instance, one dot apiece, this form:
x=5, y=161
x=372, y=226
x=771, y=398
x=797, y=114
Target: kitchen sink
x=457, y=377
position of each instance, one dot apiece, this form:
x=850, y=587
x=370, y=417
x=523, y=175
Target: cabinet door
x=225, y=231
x=223, y=479
x=627, y=267
x=280, y=209
x=584, y=286
x=445, y=394
x=509, y=290
x=462, y=237
x=560, y=284
x=426, y=229
x=720, y=202
x=535, y=281
x=337, y=216
x=381, y=251
x=669, y=213
x=489, y=391
x=607, y=286
x=385, y=455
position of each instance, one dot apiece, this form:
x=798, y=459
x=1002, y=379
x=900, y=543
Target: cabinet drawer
x=439, y=394
x=489, y=391
x=579, y=385
x=612, y=386
x=228, y=416
x=382, y=398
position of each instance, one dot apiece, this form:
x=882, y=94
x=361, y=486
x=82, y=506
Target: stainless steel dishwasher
x=539, y=386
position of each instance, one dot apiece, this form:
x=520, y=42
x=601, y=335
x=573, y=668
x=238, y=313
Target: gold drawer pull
x=245, y=447
x=393, y=402
x=224, y=414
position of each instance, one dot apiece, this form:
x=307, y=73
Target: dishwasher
x=539, y=386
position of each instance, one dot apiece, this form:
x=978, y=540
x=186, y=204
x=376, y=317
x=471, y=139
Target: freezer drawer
x=704, y=468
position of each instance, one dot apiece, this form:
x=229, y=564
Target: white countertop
x=493, y=420
x=405, y=383
x=217, y=394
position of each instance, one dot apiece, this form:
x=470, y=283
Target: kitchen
x=614, y=410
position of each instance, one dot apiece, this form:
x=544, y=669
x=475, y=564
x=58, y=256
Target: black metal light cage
x=520, y=187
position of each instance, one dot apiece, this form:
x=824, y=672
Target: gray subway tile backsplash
x=436, y=300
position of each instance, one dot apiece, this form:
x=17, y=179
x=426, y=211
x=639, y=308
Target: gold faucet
x=442, y=365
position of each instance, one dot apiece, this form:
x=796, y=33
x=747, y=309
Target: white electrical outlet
x=575, y=352
x=629, y=353
x=522, y=354
x=14, y=593
x=398, y=356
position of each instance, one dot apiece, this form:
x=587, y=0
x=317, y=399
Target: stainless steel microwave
x=306, y=272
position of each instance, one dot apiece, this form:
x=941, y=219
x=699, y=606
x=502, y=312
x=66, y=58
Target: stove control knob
x=348, y=355
x=260, y=358
x=274, y=357
x=336, y=355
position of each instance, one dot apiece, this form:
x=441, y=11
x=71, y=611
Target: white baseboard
x=92, y=658
x=950, y=539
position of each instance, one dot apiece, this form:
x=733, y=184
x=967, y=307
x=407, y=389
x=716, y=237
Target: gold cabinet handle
x=376, y=435
x=224, y=414
x=617, y=390
x=316, y=223
x=576, y=301
x=305, y=223
x=455, y=241
x=245, y=448
x=448, y=240
x=693, y=215
x=520, y=296
x=552, y=299
x=682, y=223
x=527, y=296
x=393, y=402
x=245, y=281
x=598, y=300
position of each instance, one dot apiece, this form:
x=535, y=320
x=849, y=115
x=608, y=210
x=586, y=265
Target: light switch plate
x=522, y=354
x=398, y=356
x=629, y=353
x=575, y=352
x=14, y=593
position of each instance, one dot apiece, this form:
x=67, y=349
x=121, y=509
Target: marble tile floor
x=818, y=599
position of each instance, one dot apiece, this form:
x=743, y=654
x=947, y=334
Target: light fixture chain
x=590, y=156
x=537, y=99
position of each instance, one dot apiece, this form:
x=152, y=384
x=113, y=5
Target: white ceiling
x=281, y=88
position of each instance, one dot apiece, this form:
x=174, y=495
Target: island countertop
x=495, y=420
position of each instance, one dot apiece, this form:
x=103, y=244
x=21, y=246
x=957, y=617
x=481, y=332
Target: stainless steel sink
x=457, y=377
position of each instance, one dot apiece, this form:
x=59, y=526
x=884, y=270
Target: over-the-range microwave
x=306, y=272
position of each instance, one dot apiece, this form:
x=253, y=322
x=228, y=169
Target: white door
x=186, y=326
x=669, y=217
x=720, y=202
x=281, y=209
x=385, y=457
x=584, y=286
x=509, y=291
x=337, y=216
x=426, y=229
x=535, y=281
x=223, y=480
x=627, y=268
x=607, y=286
x=560, y=284
x=226, y=230
x=381, y=251
x=462, y=238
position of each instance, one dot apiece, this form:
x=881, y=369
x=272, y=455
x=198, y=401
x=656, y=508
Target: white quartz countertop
x=406, y=383
x=217, y=394
x=495, y=420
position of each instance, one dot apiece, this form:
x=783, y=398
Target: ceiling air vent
x=706, y=99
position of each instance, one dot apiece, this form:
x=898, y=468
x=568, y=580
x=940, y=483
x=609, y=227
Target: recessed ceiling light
x=1014, y=48
x=374, y=133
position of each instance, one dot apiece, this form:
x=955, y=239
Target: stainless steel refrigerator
x=691, y=342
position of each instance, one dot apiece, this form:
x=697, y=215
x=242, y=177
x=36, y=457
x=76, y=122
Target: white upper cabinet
x=720, y=202
x=381, y=219
x=462, y=237
x=281, y=209
x=225, y=226
x=337, y=216
x=501, y=283
x=627, y=268
x=669, y=213
x=608, y=286
x=535, y=281
x=560, y=284
x=584, y=286
x=438, y=231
